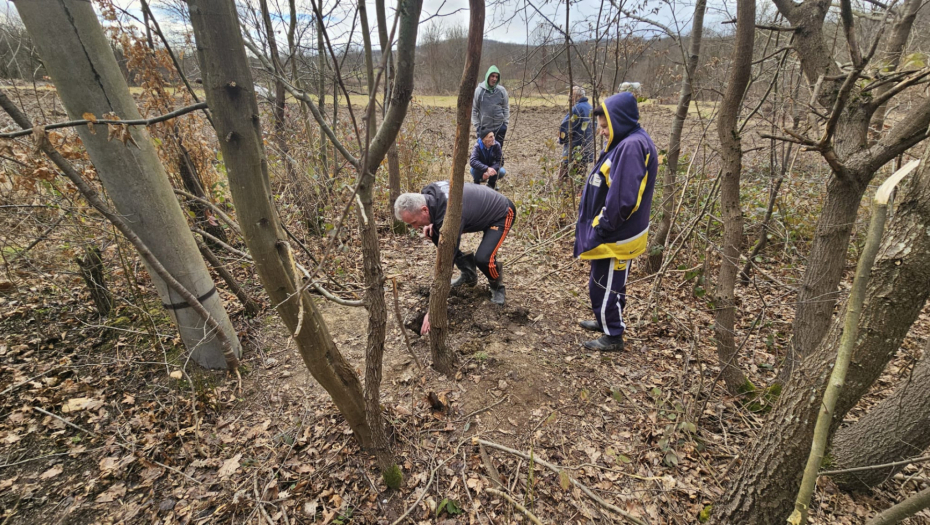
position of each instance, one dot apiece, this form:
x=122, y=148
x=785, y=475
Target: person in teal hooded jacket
x=613, y=216
x=491, y=107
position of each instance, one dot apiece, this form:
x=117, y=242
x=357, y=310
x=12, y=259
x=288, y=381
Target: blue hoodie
x=582, y=129
x=613, y=217
x=483, y=157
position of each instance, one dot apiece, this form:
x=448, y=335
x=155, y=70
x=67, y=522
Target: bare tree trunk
x=279, y=126
x=80, y=61
x=443, y=358
x=321, y=72
x=819, y=288
x=763, y=487
x=398, y=226
x=670, y=179
x=377, y=147
x=92, y=272
x=732, y=158
x=894, y=49
x=230, y=92
x=893, y=430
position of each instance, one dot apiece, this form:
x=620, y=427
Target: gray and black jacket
x=481, y=207
x=491, y=107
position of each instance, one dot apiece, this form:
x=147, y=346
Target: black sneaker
x=593, y=326
x=499, y=295
x=605, y=343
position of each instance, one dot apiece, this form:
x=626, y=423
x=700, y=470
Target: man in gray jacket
x=491, y=107
x=483, y=210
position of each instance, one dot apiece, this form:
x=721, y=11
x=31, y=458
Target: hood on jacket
x=622, y=117
x=492, y=69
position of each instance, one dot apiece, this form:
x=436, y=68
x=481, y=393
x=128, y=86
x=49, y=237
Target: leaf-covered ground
x=103, y=421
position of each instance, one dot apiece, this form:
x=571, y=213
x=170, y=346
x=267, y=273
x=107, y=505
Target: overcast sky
x=506, y=21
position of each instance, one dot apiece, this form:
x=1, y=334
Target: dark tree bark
x=443, y=358
x=92, y=273
x=893, y=430
x=764, y=486
x=670, y=179
x=732, y=158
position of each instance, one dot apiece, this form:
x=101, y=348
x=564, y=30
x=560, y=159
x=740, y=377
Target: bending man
x=483, y=210
x=613, y=217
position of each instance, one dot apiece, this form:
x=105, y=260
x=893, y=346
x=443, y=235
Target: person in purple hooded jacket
x=613, y=216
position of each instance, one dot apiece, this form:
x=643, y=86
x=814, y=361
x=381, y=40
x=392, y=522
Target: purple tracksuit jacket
x=613, y=217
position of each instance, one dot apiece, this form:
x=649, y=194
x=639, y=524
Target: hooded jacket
x=613, y=217
x=491, y=107
x=579, y=124
x=481, y=207
x=483, y=157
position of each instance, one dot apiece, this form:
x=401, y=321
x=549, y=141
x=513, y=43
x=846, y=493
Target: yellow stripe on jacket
x=625, y=249
x=642, y=188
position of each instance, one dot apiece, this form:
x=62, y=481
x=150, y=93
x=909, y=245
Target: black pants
x=486, y=254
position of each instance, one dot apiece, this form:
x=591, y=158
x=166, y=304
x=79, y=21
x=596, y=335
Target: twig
x=400, y=324
x=323, y=291
x=911, y=461
x=39, y=458
x=516, y=505
x=424, y=492
x=485, y=409
x=137, y=122
x=558, y=470
x=125, y=447
x=219, y=213
x=39, y=239
x=31, y=379
x=222, y=244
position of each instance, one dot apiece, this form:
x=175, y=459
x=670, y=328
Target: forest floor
x=126, y=438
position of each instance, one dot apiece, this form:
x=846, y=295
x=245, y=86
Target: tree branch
x=303, y=97
x=138, y=122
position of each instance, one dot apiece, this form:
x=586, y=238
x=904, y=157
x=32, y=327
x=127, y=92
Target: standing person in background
x=613, y=217
x=491, y=107
x=486, y=159
x=576, y=131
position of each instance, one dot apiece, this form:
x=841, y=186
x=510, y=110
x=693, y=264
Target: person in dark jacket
x=576, y=134
x=483, y=210
x=491, y=106
x=613, y=216
x=486, y=159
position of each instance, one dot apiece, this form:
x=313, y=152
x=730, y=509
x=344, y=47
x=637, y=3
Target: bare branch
x=137, y=122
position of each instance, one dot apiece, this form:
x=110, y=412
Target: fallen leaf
x=113, y=493
x=229, y=466
x=51, y=473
